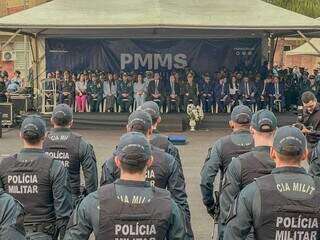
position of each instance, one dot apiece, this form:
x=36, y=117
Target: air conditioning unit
x=8, y=56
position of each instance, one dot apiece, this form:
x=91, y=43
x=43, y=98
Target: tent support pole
x=308, y=41
x=271, y=50
x=10, y=39
x=37, y=65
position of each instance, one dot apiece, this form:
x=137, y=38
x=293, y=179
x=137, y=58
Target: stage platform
x=175, y=122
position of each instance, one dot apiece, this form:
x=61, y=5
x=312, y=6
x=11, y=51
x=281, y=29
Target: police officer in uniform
x=284, y=204
x=125, y=93
x=159, y=140
x=72, y=150
x=39, y=183
x=164, y=173
x=128, y=208
x=256, y=163
x=222, y=152
x=11, y=218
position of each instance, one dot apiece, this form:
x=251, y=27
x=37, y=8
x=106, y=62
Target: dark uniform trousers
x=118, y=220
x=284, y=218
x=31, y=180
x=65, y=148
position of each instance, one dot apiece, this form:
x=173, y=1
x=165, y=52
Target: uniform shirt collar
x=62, y=129
x=261, y=149
x=31, y=150
x=289, y=170
x=132, y=183
x=240, y=131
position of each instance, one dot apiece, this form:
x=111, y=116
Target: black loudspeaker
x=20, y=104
x=7, y=114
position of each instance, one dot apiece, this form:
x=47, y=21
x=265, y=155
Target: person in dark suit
x=66, y=89
x=206, y=93
x=189, y=91
x=276, y=93
x=173, y=94
x=156, y=90
x=263, y=94
x=247, y=91
x=221, y=92
x=313, y=86
x=234, y=91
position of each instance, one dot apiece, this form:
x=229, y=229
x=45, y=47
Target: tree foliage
x=309, y=8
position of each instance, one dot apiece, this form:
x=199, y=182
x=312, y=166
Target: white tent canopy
x=306, y=49
x=158, y=18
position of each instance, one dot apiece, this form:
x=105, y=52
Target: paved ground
x=193, y=155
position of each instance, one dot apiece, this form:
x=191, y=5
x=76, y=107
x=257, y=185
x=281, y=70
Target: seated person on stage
x=3, y=90
x=95, y=93
x=49, y=85
x=140, y=90
x=234, y=91
x=66, y=89
x=109, y=91
x=125, y=92
x=276, y=93
x=12, y=87
x=189, y=91
x=81, y=94
x=247, y=91
x=173, y=94
x=263, y=94
x=221, y=93
x=206, y=93
x=156, y=90
x=17, y=79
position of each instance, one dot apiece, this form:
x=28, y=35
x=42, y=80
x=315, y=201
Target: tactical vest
x=29, y=182
x=282, y=218
x=64, y=146
x=254, y=166
x=158, y=173
x=119, y=220
x=160, y=141
x=234, y=145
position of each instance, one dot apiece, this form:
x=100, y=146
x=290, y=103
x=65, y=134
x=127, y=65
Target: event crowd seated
x=277, y=89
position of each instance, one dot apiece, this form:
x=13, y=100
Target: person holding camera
x=309, y=120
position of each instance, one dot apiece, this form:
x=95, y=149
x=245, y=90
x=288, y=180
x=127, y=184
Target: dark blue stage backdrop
x=202, y=55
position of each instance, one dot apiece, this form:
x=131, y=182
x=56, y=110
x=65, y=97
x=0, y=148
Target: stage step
x=170, y=122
